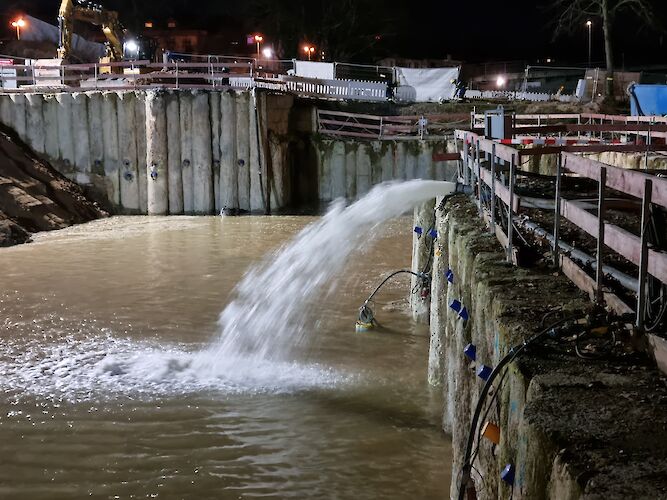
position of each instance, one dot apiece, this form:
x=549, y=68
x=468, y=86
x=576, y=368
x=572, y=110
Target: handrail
x=634, y=248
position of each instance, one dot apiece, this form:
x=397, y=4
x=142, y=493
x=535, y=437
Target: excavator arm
x=76, y=10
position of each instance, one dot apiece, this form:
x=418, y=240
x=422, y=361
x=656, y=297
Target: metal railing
x=363, y=126
x=210, y=74
x=592, y=125
x=493, y=168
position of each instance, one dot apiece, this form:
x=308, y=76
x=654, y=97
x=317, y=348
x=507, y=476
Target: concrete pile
x=158, y=152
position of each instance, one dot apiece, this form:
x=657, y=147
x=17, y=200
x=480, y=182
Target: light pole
x=309, y=49
x=259, y=39
x=589, y=24
x=18, y=24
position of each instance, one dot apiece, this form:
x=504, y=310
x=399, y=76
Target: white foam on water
x=274, y=304
x=79, y=369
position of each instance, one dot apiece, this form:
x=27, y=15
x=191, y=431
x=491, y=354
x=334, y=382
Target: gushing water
x=268, y=317
x=273, y=309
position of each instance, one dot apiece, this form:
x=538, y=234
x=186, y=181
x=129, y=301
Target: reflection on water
x=99, y=327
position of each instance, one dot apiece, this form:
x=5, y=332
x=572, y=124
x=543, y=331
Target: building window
x=148, y=24
x=171, y=24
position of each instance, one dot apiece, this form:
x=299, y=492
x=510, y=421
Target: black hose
x=377, y=289
x=509, y=357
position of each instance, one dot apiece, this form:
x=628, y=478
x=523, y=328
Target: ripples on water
x=101, y=366
x=101, y=393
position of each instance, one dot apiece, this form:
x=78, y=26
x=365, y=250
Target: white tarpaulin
x=311, y=69
x=82, y=49
x=429, y=84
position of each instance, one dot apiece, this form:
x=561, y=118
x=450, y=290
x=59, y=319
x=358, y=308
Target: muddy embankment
x=34, y=196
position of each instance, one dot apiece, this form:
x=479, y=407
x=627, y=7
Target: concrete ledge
x=573, y=428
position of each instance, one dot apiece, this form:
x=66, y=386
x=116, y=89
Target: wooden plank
x=351, y=134
x=627, y=181
x=348, y=115
x=658, y=348
x=585, y=128
x=501, y=236
x=592, y=148
x=350, y=124
x=616, y=238
x=445, y=156
x=597, y=116
x=587, y=284
x=502, y=151
x=501, y=191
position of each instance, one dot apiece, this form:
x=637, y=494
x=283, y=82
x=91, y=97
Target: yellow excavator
x=118, y=48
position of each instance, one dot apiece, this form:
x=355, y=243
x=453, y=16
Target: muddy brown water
x=95, y=317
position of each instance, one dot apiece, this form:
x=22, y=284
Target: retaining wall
x=571, y=428
x=349, y=169
x=162, y=152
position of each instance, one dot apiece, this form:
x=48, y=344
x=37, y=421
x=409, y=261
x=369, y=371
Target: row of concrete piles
x=348, y=169
x=157, y=152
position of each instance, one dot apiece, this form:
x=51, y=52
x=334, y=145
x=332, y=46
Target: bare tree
x=573, y=13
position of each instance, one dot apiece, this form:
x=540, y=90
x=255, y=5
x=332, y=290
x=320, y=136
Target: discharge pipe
x=623, y=279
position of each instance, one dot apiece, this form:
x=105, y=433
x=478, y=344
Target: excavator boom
x=77, y=10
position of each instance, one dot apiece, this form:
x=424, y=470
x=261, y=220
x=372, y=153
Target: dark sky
x=469, y=31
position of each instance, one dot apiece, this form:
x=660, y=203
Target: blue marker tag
x=484, y=372
x=470, y=351
x=433, y=234
x=464, y=314
x=507, y=474
x=455, y=305
x=418, y=230
x=450, y=276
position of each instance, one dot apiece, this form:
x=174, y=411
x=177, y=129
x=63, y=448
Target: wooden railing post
x=493, y=189
x=643, y=259
x=556, y=249
x=510, y=211
x=600, y=242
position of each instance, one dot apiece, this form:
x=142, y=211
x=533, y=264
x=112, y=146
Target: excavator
x=119, y=46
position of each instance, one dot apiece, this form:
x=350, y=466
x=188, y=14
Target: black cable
x=377, y=289
x=488, y=409
x=366, y=314
x=509, y=357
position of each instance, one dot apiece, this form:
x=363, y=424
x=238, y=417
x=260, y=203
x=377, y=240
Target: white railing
x=336, y=89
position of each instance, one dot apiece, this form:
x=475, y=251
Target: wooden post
x=493, y=189
x=643, y=259
x=600, y=243
x=510, y=211
x=559, y=170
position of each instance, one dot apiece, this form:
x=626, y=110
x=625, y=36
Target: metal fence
x=211, y=73
x=622, y=127
x=363, y=126
x=493, y=168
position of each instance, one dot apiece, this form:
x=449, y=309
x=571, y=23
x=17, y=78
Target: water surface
x=100, y=324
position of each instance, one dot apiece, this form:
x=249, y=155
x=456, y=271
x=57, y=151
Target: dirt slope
x=34, y=196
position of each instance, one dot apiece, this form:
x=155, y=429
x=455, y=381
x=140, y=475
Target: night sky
x=469, y=31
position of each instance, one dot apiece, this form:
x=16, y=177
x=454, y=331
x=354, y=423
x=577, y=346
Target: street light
x=259, y=39
x=308, y=49
x=589, y=24
x=18, y=24
x=267, y=52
